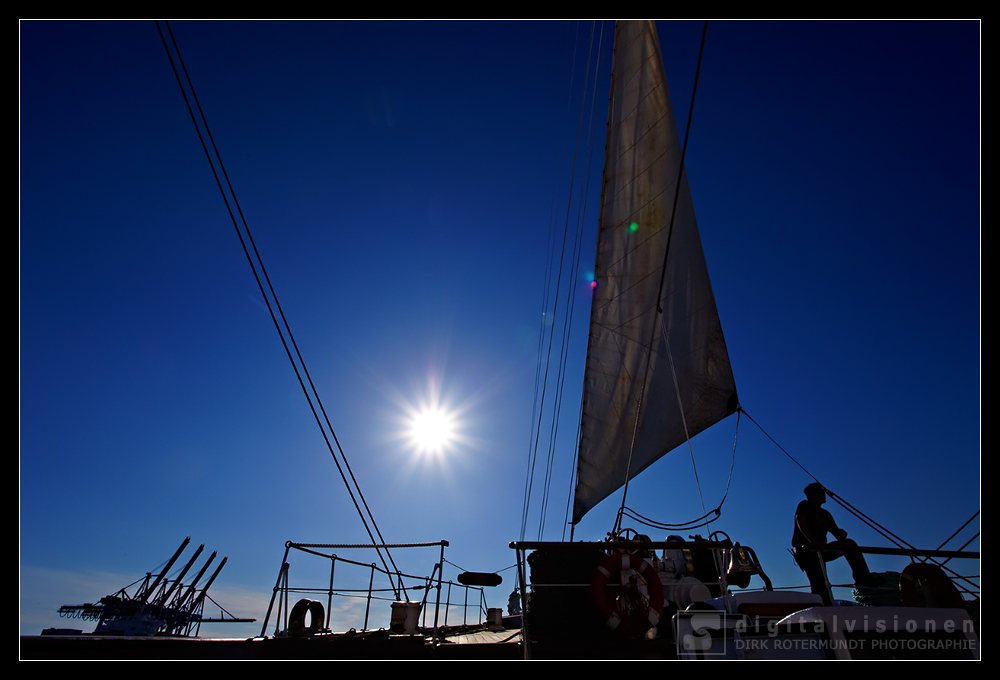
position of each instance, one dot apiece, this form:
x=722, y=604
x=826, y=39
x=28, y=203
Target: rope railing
x=290, y=619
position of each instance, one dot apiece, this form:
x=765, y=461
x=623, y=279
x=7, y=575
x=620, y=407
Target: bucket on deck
x=405, y=616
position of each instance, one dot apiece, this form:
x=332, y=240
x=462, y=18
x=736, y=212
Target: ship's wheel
x=628, y=535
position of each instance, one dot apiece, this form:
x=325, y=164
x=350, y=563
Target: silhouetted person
x=812, y=523
x=514, y=603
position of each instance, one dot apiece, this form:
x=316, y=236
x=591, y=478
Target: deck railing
x=433, y=593
x=964, y=583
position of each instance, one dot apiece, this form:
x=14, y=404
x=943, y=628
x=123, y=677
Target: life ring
x=297, y=619
x=628, y=609
x=937, y=587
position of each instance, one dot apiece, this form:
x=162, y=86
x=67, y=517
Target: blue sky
x=398, y=179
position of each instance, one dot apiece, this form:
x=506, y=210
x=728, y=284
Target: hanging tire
x=297, y=619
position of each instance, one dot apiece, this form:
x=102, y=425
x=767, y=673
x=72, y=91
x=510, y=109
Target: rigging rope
x=570, y=289
x=899, y=542
x=273, y=295
x=790, y=457
x=959, y=530
x=680, y=407
x=536, y=412
x=705, y=519
x=865, y=519
x=540, y=409
x=684, y=526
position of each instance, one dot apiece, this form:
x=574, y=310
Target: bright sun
x=432, y=430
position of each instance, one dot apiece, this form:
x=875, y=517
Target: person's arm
x=837, y=532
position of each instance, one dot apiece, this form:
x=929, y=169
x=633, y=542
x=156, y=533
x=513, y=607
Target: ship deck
x=373, y=645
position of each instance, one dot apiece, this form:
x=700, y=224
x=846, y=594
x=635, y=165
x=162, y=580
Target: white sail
x=641, y=169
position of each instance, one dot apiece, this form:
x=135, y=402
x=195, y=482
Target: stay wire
x=847, y=506
x=533, y=448
x=553, y=427
x=273, y=293
x=886, y=533
x=889, y=535
x=570, y=288
x=959, y=530
x=790, y=457
x=536, y=415
x=963, y=546
x=549, y=321
x=865, y=519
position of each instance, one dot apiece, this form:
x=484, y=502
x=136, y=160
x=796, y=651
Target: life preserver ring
x=297, y=618
x=939, y=589
x=628, y=610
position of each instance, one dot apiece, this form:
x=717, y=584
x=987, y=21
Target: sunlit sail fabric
x=641, y=168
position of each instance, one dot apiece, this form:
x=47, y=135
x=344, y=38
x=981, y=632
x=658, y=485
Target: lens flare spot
x=633, y=228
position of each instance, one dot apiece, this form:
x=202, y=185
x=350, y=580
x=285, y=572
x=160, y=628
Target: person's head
x=816, y=493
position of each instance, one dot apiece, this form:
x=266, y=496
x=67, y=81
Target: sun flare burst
x=432, y=430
